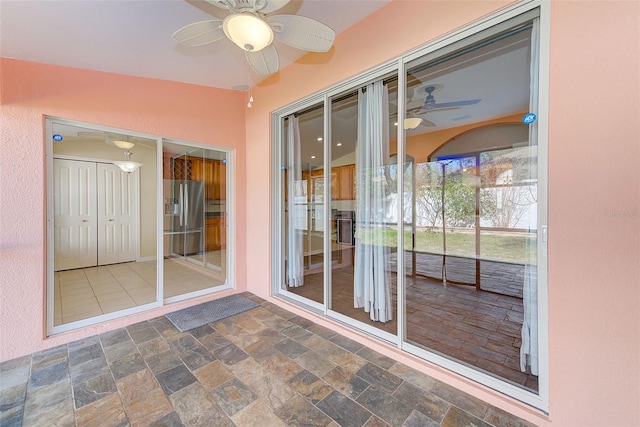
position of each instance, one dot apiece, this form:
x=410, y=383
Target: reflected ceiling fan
x=124, y=142
x=430, y=105
x=249, y=26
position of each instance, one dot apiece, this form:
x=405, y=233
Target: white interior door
x=75, y=216
x=117, y=213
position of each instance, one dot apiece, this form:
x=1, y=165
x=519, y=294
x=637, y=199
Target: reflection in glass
x=104, y=253
x=194, y=220
x=471, y=271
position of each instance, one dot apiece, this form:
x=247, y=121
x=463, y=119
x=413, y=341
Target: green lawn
x=503, y=246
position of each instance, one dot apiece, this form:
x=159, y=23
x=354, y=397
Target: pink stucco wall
x=30, y=91
x=594, y=184
x=594, y=191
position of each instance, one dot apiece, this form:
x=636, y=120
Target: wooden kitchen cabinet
x=345, y=174
x=213, y=173
x=215, y=236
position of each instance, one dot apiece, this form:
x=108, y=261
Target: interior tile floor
x=88, y=292
x=264, y=367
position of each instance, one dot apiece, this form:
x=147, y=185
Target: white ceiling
x=133, y=37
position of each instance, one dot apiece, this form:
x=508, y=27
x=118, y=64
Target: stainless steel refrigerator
x=183, y=217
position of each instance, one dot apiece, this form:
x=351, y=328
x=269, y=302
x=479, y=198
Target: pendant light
x=127, y=165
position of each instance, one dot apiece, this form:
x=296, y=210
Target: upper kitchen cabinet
x=213, y=174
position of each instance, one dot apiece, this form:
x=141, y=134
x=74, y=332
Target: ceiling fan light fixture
x=248, y=31
x=127, y=165
x=412, y=123
x=125, y=145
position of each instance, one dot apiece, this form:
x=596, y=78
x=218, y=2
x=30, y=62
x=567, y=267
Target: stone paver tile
x=343, y=410
x=12, y=364
x=349, y=361
x=48, y=374
x=12, y=416
x=169, y=420
x=19, y=376
x=40, y=399
x=136, y=385
x=375, y=421
x=468, y=403
x=346, y=382
x=191, y=401
x=144, y=334
x=50, y=356
x=271, y=390
x=163, y=362
x=375, y=375
x=93, y=389
x=423, y=401
x=346, y=343
x=416, y=378
x=86, y=353
x=12, y=397
x=202, y=331
x=92, y=368
x=376, y=358
x=315, y=363
x=418, y=419
x=175, y=379
x=127, y=365
x=290, y=348
x=59, y=414
x=324, y=347
x=258, y=413
x=213, y=417
x=310, y=386
x=105, y=412
x=233, y=396
x=164, y=326
x=214, y=341
x=182, y=342
x=457, y=417
x=114, y=337
x=213, y=374
x=153, y=347
x=296, y=332
x=281, y=366
x=119, y=350
x=498, y=417
x=385, y=406
x=196, y=357
x=230, y=355
x=148, y=408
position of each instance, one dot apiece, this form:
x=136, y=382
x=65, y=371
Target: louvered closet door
x=117, y=226
x=75, y=216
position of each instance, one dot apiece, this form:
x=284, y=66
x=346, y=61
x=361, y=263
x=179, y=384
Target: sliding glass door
x=411, y=206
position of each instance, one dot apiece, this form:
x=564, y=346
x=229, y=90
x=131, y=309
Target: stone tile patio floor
x=263, y=367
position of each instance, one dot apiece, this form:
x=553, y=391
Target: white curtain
x=296, y=206
x=371, y=276
x=529, y=347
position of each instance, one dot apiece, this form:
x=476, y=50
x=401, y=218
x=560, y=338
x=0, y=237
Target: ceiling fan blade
x=200, y=33
x=454, y=104
x=273, y=5
x=264, y=61
x=302, y=32
x=428, y=123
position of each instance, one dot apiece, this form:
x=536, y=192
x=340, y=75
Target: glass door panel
x=303, y=182
x=471, y=274
x=104, y=219
x=364, y=192
x=194, y=220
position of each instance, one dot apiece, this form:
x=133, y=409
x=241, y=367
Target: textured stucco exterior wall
x=31, y=91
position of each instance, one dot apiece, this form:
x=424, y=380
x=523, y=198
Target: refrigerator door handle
x=186, y=205
x=181, y=202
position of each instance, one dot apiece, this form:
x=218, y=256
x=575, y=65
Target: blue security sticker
x=224, y=161
x=57, y=137
x=529, y=118
x=282, y=168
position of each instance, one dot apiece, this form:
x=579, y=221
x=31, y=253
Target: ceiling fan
x=250, y=26
x=430, y=104
x=124, y=142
